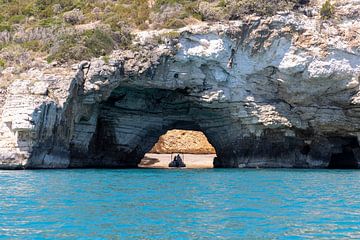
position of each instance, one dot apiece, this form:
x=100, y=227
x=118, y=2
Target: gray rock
x=74, y=16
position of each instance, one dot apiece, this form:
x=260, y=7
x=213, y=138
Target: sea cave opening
x=192, y=146
x=343, y=160
x=131, y=123
x=346, y=158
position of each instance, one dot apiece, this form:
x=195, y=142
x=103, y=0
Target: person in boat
x=178, y=158
x=177, y=162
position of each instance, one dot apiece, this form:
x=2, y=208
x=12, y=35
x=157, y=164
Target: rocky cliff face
x=275, y=92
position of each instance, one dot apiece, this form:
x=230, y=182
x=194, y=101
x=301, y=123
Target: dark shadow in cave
x=131, y=121
x=346, y=159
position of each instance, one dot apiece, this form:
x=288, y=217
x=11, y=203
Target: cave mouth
x=192, y=145
x=131, y=121
x=345, y=159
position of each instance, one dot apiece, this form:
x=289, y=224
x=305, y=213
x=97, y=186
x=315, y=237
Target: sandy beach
x=153, y=160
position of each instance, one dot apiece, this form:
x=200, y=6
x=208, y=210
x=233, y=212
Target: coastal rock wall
x=275, y=92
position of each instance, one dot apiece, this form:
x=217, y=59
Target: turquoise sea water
x=180, y=204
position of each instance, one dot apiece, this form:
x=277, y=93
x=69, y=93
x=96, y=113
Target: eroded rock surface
x=275, y=92
x=181, y=141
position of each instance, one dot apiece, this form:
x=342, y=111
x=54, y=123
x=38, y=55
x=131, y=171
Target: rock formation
x=180, y=141
x=281, y=91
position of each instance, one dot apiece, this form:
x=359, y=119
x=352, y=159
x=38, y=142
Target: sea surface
x=180, y=204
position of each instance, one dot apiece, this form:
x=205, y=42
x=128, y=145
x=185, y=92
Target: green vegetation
x=114, y=22
x=106, y=59
x=162, y=38
x=5, y=27
x=115, y=18
x=237, y=9
x=174, y=23
x=171, y=35
x=33, y=45
x=51, y=12
x=135, y=13
x=327, y=10
x=189, y=8
x=2, y=63
x=88, y=44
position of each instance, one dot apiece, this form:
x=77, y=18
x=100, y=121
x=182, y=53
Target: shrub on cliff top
x=327, y=10
x=226, y=9
x=81, y=46
x=98, y=42
x=237, y=9
x=5, y=27
x=2, y=63
x=171, y=13
x=33, y=45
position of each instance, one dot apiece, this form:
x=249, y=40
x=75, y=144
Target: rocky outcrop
x=275, y=92
x=180, y=141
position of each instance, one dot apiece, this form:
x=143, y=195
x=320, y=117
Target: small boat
x=177, y=161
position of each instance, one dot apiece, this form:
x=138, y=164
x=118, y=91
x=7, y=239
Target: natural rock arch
x=131, y=121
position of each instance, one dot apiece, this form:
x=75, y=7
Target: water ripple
x=180, y=204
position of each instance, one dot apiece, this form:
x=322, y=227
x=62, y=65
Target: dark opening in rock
x=305, y=149
x=344, y=160
x=130, y=122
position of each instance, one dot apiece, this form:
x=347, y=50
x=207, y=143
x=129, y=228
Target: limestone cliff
x=281, y=91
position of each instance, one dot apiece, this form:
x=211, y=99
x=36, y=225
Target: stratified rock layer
x=180, y=141
x=275, y=92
